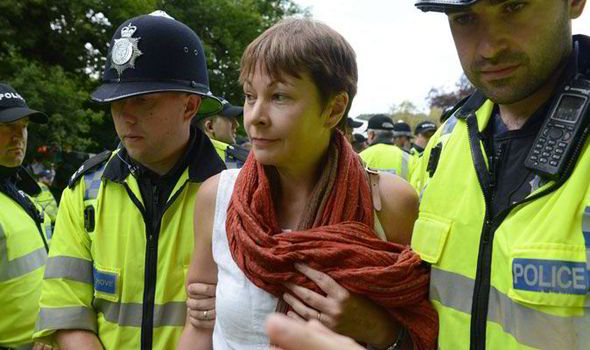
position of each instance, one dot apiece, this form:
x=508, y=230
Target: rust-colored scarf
x=336, y=237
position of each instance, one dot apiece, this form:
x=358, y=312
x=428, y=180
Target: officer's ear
x=192, y=104
x=208, y=126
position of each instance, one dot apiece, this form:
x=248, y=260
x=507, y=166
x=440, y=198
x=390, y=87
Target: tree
x=408, y=112
x=53, y=51
x=440, y=98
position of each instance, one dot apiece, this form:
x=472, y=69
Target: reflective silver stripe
x=449, y=125
x=70, y=268
x=529, y=327
x=20, y=266
x=67, y=318
x=405, y=160
x=130, y=314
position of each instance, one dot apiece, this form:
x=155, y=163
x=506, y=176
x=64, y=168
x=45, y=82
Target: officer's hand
x=348, y=314
x=201, y=304
x=41, y=346
x=289, y=334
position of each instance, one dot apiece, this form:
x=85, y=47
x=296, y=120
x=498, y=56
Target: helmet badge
x=125, y=50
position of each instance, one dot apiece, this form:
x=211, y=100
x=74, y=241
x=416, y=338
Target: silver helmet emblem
x=125, y=50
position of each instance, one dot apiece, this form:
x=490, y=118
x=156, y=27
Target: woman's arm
x=202, y=268
x=354, y=315
x=399, y=208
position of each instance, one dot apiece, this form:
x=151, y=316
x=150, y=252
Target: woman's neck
x=295, y=187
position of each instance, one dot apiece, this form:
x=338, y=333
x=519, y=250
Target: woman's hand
x=348, y=314
x=293, y=335
x=201, y=304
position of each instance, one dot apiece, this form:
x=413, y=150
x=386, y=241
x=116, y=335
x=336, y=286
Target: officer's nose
x=492, y=40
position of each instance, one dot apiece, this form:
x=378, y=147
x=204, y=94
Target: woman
x=302, y=204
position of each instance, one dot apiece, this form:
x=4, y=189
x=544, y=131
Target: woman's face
x=285, y=119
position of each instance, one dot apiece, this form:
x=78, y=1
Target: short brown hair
x=296, y=45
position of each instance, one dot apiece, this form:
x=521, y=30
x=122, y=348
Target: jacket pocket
x=430, y=235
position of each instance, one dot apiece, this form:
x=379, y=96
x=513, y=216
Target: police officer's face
x=509, y=49
x=154, y=128
x=13, y=142
x=224, y=129
x=285, y=120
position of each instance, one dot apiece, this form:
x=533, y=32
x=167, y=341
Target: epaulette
x=237, y=152
x=88, y=166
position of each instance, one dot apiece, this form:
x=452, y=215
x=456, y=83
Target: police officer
x=351, y=124
x=45, y=198
x=24, y=232
x=115, y=275
x=359, y=143
x=505, y=212
x=423, y=132
x=221, y=129
x=402, y=135
x=381, y=153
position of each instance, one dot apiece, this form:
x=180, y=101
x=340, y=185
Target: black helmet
x=442, y=5
x=155, y=53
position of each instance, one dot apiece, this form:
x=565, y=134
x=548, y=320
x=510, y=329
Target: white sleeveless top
x=241, y=306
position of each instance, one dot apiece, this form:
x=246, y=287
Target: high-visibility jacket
x=46, y=200
x=519, y=281
x=23, y=253
x=116, y=276
x=233, y=157
x=389, y=158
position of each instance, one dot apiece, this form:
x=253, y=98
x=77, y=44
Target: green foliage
x=53, y=51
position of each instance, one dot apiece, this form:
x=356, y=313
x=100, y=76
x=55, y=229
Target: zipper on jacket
x=482, y=285
x=151, y=265
x=149, y=288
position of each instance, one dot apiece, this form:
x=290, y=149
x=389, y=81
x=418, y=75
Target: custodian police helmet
x=155, y=53
x=442, y=5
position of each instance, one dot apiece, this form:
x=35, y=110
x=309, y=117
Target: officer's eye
x=463, y=19
x=514, y=7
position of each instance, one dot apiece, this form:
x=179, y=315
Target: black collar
x=20, y=177
x=200, y=157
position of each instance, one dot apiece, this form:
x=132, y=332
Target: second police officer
x=123, y=240
x=221, y=129
x=504, y=215
x=382, y=154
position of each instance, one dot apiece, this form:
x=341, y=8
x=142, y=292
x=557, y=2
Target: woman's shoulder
x=397, y=190
x=208, y=190
x=399, y=207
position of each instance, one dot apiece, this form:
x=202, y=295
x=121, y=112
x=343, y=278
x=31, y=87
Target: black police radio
x=563, y=133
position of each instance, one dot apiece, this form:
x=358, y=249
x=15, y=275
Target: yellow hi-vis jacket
x=520, y=283
x=389, y=158
x=232, y=160
x=23, y=254
x=46, y=200
x=119, y=279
